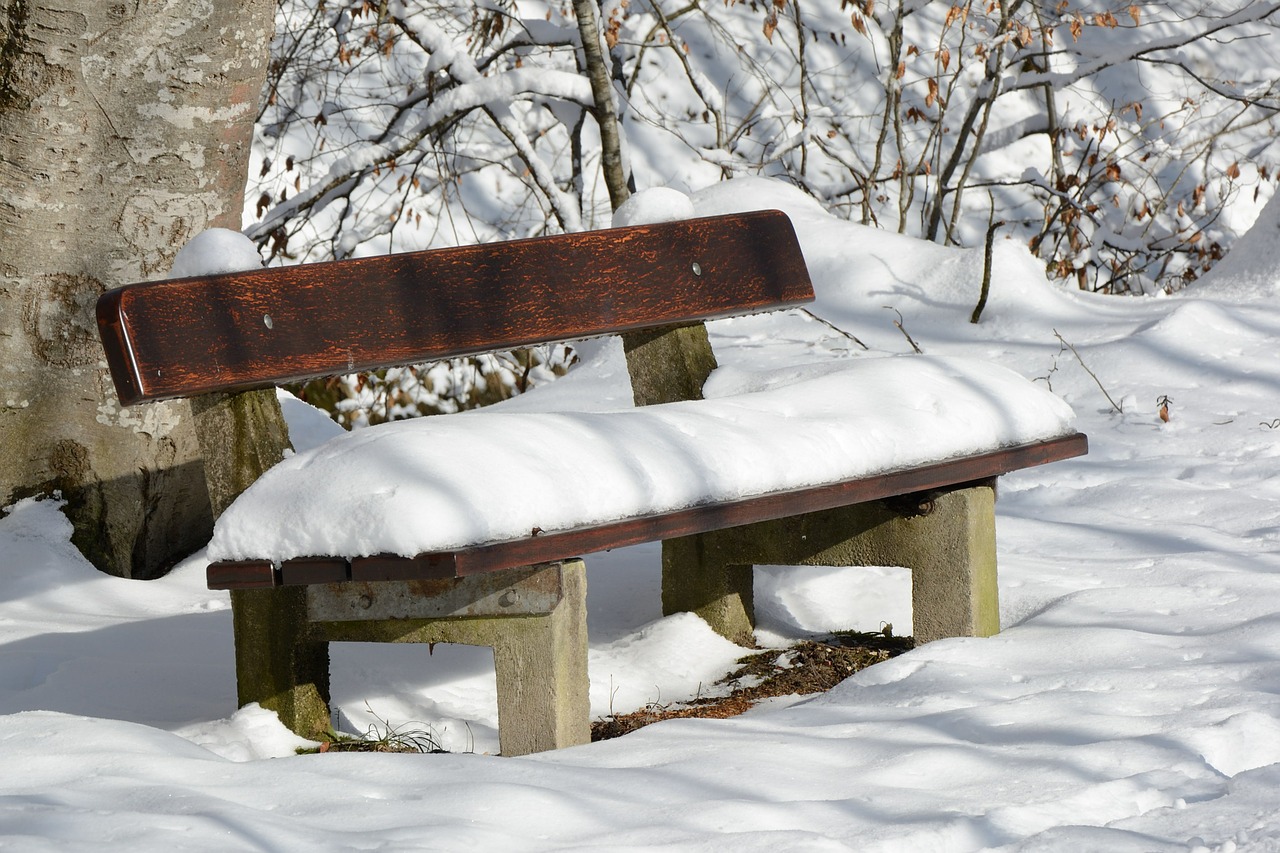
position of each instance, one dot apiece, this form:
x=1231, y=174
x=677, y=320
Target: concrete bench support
x=534, y=619
x=946, y=538
x=278, y=664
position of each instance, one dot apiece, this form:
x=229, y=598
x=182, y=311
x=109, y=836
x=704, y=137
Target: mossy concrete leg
x=946, y=538
x=241, y=435
x=279, y=664
x=668, y=364
x=696, y=578
x=534, y=619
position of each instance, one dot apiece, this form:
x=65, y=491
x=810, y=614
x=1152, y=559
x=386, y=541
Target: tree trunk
x=611, y=161
x=124, y=130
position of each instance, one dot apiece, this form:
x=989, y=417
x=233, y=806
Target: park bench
x=521, y=589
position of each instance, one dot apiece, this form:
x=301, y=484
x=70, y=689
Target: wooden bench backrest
x=243, y=330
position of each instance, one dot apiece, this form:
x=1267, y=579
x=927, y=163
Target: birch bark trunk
x=125, y=129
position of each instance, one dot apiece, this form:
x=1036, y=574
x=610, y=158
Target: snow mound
x=217, y=250
x=660, y=204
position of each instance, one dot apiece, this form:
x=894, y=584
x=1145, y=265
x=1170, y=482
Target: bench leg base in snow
x=534, y=619
x=699, y=576
x=278, y=664
x=946, y=538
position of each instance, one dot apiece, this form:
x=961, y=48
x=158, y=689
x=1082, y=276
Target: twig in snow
x=992, y=227
x=1092, y=375
x=905, y=333
x=833, y=327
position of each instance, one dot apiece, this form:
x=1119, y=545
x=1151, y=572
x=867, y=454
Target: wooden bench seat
x=573, y=483
x=205, y=337
x=548, y=547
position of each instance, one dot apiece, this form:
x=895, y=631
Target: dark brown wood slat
x=243, y=574
x=242, y=330
x=388, y=567
x=307, y=570
x=548, y=547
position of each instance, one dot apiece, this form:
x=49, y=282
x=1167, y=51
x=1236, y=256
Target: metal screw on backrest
x=697, y=268
x=266, y=321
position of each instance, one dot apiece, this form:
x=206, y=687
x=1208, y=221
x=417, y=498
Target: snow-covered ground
x=1132, y=702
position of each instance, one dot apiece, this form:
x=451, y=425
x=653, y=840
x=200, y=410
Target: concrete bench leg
x=696, y=578
x=278, y=664
x=534, y=619
x=946, y=538
x=954, y=591
x=543, y=688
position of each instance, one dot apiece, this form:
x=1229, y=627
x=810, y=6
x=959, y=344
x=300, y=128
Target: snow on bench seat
x=445, y=483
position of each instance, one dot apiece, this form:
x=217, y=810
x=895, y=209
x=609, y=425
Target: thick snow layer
x=216, y=250
x=434, y=484
x=1131, y=703
x=658, y=204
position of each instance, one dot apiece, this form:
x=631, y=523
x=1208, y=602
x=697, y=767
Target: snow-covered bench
x=397, y=533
